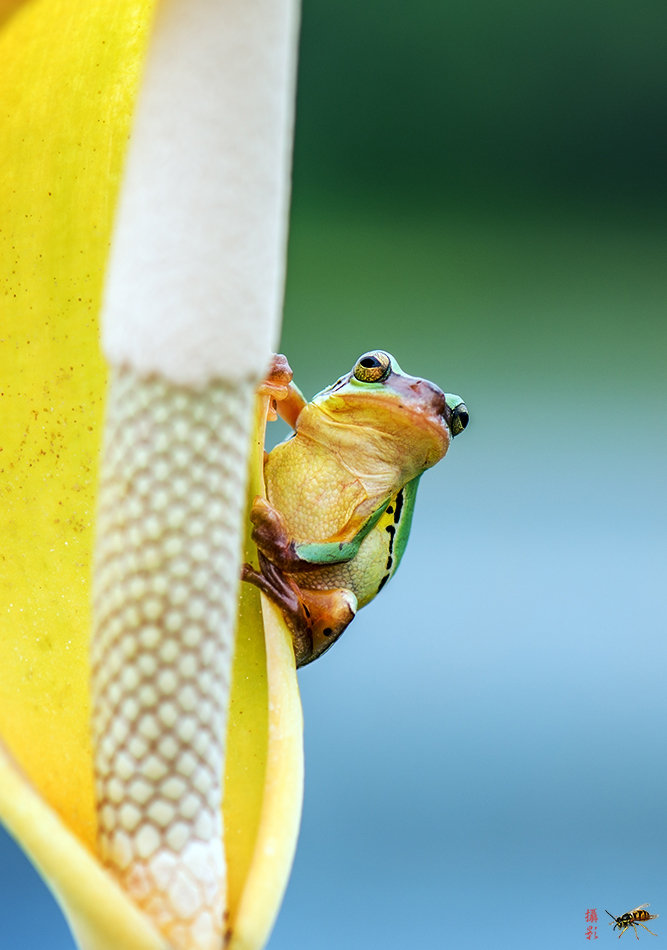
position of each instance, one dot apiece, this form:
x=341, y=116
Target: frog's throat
x=395, y=450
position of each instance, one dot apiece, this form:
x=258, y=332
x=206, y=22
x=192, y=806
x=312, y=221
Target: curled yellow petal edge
x=54, y=238
x=261, y=848
x=100, y=915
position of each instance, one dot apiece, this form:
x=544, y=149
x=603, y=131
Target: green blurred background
x=482, y=184
x=479, y=187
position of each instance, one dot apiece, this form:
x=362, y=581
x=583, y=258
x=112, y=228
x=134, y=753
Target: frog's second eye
x=372, y=367
x=460, y=418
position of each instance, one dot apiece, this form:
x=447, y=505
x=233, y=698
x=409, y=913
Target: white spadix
x=195, y=280
x=191, y=315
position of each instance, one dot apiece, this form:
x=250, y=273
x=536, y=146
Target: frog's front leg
x=271, y=536
x=316, y=618
x=286, y=398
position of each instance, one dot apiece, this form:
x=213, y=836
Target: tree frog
x=340, y=492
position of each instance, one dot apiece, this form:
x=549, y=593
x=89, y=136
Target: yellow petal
x=7, y=7
x=283, y=793
x=64, y=121
x=264, y=776
x=67, y=86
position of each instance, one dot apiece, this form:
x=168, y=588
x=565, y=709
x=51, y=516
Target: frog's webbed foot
x=276, y=383
x=286, y=399
x=316, y=618
x=285, y=593
x=271, y=536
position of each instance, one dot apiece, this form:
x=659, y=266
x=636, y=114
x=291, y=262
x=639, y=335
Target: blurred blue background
x=479, y=188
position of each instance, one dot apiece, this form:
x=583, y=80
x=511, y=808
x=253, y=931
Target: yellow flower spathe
x=69, y=75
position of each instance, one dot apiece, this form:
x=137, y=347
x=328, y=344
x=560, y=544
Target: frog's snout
x=449, y=407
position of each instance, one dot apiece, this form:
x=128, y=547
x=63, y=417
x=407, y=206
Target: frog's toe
x=278, y=378
x=269, y=531
x=277, y=586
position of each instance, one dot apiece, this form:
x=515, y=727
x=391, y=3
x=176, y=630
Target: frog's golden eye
x=372, y=367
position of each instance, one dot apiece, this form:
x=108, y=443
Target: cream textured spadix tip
x=201, y=224
x=166, y=578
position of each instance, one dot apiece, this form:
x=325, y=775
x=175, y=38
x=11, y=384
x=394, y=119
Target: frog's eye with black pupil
x=372, y=367
x=460, y=418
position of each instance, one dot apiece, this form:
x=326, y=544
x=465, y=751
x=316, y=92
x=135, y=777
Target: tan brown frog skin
x=341, y=491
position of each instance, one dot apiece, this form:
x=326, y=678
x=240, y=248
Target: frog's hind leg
x=315, y=618
x=329, y=613
x=283, y=591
